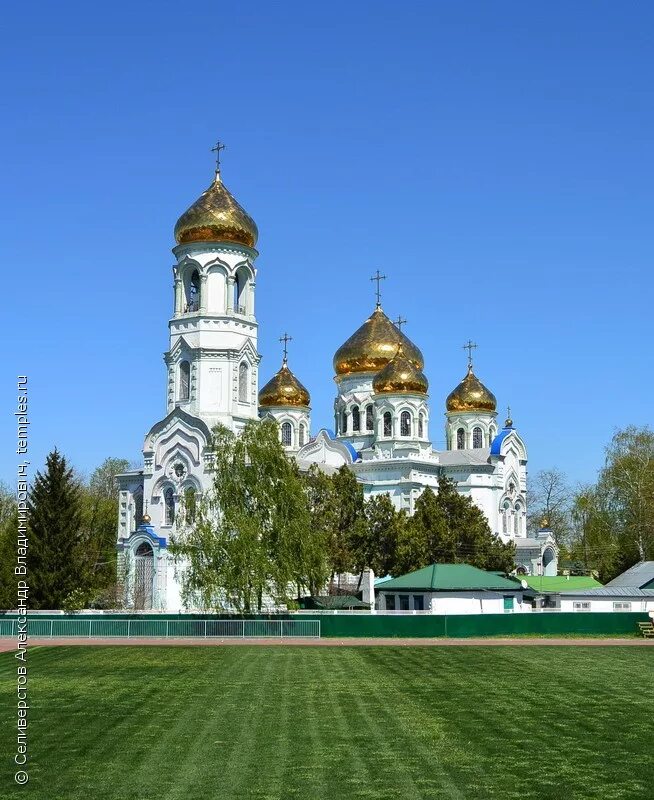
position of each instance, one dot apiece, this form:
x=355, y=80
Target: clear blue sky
x=493, y=159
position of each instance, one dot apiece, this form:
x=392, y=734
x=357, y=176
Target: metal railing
x=165, y=628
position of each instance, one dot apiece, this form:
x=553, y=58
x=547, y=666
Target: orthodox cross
x=399, y=322
x=469, y=346
x=379, y=278
x=508, y=413
x=285, y=339
x=216, y=149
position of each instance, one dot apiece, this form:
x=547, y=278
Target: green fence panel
x=328, y=625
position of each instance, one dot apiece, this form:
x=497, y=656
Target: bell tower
x=213, y=358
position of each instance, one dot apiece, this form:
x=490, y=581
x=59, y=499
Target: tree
x=627, y=480
x=99, y=515
x=56, y=558
x=550, y=502
x=449, y=528
x=384, y=528
x=348, y=528
x=8, y=533
x=251, y=535
x=594, y=546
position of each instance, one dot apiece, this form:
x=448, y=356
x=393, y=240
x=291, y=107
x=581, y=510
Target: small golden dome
x=373, y=345
x=216, y=217
x=146, y=519
x=400, y=376
x=284, y=389
x=471, y=395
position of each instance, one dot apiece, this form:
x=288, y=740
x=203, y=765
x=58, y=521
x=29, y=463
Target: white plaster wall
x=606, y=603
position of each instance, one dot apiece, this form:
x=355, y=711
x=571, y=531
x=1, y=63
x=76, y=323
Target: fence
x=325, y=625
x=92, y=628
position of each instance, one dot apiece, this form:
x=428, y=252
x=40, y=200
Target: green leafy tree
x=251, y=535
x=99, y=515
x=594, y=546
x=349, y=523
x=449, y=528
x=384, y=530
x=56, y=559
x=614, y=519
x=627, y=481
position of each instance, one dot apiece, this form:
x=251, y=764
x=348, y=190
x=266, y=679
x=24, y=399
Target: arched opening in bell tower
x=192, y=292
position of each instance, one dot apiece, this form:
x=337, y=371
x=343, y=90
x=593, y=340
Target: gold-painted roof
x=284, y=389
x=373, y=345
x=216, y=217
x=400, y=376
x=471, y=395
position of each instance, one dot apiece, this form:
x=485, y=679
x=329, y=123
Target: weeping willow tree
x=250, y=537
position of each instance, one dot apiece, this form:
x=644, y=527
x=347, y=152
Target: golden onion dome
x=400, y=376
x=284, y=389
x=373, y=345
x=216, y=217
x=471, y=395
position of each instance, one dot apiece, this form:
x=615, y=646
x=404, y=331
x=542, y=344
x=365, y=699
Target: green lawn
x=222, y=723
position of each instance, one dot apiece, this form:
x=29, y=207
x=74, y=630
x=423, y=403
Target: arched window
x=460, y=439
x=369, y=418
x=138, y=509
x=405, y=424
x=184, y=380
x=169, y=506
x=287, y=434
x=344, y=423
x=240, y=291
x=189, y=504
x=421, y=425
x=193, y=292
x=302, y=434
x=243, y=373
x=477, y=438
x=518, y=519
x=356, y=419
x=388, y=424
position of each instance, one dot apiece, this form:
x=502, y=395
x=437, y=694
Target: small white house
x=633, y=590
x=608, y=598
x=451, y=589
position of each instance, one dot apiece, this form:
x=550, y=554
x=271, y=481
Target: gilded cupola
x=284, y=389
x=373, y=345
x=216, y=217
x=471, y=395
x=400, y=376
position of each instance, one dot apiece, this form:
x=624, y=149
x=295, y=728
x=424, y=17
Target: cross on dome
x=470, y=346
x=216, y=149
x=285, y=339
x=379, y=278
x=399, y=322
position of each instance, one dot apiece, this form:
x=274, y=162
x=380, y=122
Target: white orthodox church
x=382, y=413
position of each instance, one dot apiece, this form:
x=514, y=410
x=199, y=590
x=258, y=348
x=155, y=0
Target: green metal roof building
x=451, y=589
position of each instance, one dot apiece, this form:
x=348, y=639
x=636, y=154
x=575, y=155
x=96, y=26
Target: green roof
x=560, y=583
x=448, y=577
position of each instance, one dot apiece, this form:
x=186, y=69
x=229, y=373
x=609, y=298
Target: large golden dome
x=216, y=217
x=284, y=389
x=400, y=376
x=373, y=345
x=471, y=395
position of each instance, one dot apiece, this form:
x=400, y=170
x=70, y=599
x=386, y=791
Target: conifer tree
x=55, y=517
